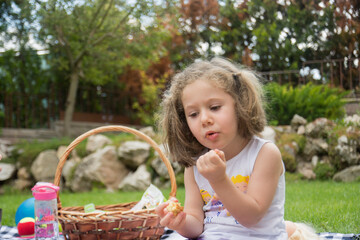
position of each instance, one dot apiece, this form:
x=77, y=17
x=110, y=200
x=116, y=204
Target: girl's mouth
x=211, y=135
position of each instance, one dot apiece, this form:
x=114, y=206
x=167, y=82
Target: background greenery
x=327, y=206
x=309, y=101
x=113, y=57
x=116, y=57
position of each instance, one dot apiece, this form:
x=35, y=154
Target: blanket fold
x=7, y=232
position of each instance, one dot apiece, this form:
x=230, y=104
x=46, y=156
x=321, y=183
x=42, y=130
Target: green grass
x=11, y=200
x=328, y=206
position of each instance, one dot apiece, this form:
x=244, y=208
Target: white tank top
x=219, y=224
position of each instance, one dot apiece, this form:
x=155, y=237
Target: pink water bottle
x=46, y=215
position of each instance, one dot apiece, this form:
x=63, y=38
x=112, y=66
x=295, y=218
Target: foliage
x=309, y=101
x=118, y=138
x=324, y=171
x=96, y=40
x=277, y=35
x=342, y=129
x=285, y=138
x=27, y=87
x=289, y=160
x=295, y=142
x=98, y=43
x=147, y=106
x=25, y=152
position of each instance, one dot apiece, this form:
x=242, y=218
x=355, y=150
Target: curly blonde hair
x=240, y=83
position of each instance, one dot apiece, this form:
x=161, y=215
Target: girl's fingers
x=178, y=219
x=160, y=210
x=173, y=199
x=166, y=220
x=220, y=154
x=172, y=221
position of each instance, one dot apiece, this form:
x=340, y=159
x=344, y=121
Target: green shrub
x=309, y=101
x=293, y=177
x=147, y=106
x=286, y=138
x=180, y=179
x=324, y=171
x=25, y=152
x=289, y=161
x=336, y=158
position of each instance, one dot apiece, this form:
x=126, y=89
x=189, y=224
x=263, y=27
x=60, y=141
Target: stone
x=301, y=130
x=134, y=153
x=149, y=131
x=268, y=133
x=353, y=120
x=315, y=146
x=68, y=169
x=7, y=171
x=319, y=127
x=97, y=141
x=44, y=167
x=306, y=169
x=61, y=150
x=138, y=180
x=23, y=173
x=348, y=174
x=101, y=166
x=297, y=121
x=23, y=180
x=23, y=184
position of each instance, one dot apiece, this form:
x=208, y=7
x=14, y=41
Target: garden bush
x=309, y=101
x=324, y=171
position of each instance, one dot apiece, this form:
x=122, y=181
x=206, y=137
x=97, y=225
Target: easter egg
x=26, y=226
x=26, y=209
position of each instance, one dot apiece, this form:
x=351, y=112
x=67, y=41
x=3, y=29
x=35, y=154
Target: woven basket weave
x=117, y=221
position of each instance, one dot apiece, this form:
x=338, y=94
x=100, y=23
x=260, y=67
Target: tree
x=191, y=27
x=280, y=35
x=22, y=77
x=95, y=40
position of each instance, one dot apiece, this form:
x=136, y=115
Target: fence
x=93, y=104
x=343, y=73
x=113, y=105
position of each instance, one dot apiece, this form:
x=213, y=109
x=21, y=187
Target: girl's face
x=210, y=115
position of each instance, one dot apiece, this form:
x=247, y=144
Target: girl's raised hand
x=168, y=218
x=212, y=165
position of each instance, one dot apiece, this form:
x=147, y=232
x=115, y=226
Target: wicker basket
x=117, y=221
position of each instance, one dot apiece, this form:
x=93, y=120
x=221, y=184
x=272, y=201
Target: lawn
x=328, y=206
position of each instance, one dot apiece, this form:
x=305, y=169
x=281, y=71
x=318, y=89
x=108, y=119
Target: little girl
x=212, y=116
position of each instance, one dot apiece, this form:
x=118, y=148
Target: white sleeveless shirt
x=219, y=224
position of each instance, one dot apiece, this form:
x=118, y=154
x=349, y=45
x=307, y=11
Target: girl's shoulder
x=264, y=143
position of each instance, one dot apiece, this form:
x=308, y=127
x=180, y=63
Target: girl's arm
x=247, y=208
x=190, y=222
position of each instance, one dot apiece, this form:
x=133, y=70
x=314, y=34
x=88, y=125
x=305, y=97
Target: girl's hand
x=168, y=218
x=212, y=165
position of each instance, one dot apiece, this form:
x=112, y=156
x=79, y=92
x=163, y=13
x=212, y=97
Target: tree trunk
x=70, y=101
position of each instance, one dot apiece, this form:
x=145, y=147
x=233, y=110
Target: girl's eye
x=214, y=108
x=193, y=114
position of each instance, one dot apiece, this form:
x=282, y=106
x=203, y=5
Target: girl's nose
x=206, y=118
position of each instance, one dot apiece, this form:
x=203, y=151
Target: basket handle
x=112, y=128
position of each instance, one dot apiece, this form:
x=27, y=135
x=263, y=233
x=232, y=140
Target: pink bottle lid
x=44, y=191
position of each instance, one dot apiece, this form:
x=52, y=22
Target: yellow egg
x=60, y=228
